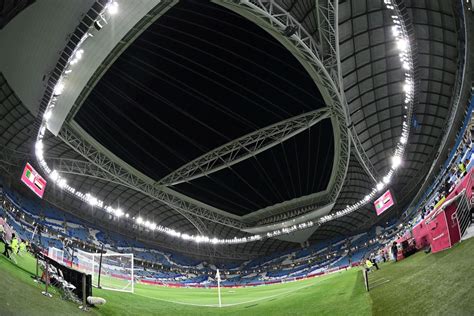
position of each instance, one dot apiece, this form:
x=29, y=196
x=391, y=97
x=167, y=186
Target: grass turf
x=21, y=296
x=432, y=284
x=295, y=298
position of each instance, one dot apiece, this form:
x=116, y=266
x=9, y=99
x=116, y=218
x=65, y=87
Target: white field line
x=227, y=305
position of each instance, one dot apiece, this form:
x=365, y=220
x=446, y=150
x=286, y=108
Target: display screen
x=33, y=180
x=384, y=202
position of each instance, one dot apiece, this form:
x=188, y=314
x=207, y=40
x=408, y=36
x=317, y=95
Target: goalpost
x=110, y=271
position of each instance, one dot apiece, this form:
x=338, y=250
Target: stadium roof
x=369, y=71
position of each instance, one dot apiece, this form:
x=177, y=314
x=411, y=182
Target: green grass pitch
x=441, y=284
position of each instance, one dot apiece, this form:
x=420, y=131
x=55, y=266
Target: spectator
x=394, y=250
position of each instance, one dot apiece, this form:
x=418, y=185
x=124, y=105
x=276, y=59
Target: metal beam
x=110, y=170
x=244, y=147
x=320, y=58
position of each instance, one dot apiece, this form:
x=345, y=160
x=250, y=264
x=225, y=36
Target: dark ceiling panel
x=197, y=78
x=10, y=9
x=297, y=167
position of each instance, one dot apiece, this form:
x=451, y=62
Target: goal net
x=56, y=254
x=115, y=272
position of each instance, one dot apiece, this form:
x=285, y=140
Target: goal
x=56, y=254
x=114, y=271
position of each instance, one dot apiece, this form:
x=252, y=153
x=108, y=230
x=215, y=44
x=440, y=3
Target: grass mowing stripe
x=232, y=304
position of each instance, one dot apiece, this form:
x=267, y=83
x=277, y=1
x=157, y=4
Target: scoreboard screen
x=33, y=180
x=384, y=202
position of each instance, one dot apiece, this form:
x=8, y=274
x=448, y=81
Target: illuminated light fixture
x=68, y=71
x=91, y=200
x=407, y=87
x=119, y=212
x=367, y=198
x=39, y=145
x=127, y=215
x=58, y=89
x=79, y=53
x=386, y=179
x=62, y=182
x=395, y=31
x=47, y=115
x=112, y=7
x=402, y=44
x=396, y=161
x=380, y=186
x=139, y=220
x=403, y=140
x=54, y=175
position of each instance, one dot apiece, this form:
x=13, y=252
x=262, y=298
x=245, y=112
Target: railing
x=463, y=214
x=411, y=210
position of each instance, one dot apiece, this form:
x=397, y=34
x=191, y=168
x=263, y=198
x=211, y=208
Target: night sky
x=197, y=78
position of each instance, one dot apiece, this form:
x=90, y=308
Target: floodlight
x=112, y=8
x=380, y=186
x=402, y=44
x=58, y=89
x=396, y=161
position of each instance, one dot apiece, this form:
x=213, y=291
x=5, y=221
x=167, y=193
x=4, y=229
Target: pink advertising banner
x=384, y=202
x=33, y=180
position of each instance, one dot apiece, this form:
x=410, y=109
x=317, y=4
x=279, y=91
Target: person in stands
x=461, y=168
x=466, y=163
x=394, y=250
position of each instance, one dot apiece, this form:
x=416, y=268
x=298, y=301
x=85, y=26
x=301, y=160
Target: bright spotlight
x=62, y=183
x=47, y=115
x=58, y=89
x=379, y=186
x=119, y=212
x=54, y=175
x=396, y=161
x=112, y=8
x=402, y=44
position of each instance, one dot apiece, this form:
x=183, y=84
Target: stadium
x=236, y=157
